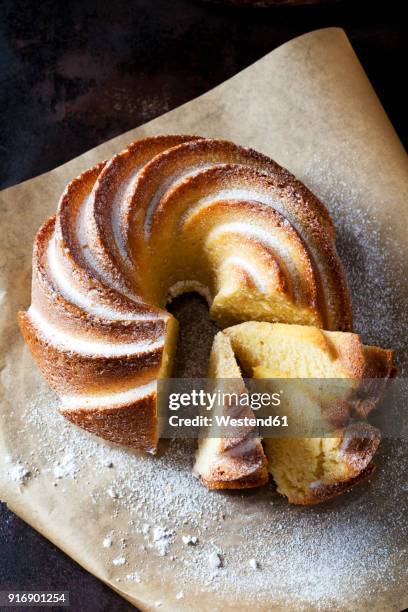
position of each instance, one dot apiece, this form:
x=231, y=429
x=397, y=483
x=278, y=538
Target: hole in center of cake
x=195, y=337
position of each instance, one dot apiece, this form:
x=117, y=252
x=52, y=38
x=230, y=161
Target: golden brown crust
x=68, y=371
x=133, y=425
x=117, y=172
x=69, y=247
x=238, y=464
x=65, y=314
x=219, y=480
x=378, y=362
x=359, y=444
x=301, y=211
x=324, y=492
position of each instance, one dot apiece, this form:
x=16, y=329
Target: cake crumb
x=119, y=561
x=214, y=560
x=19, y=474
x=134, y=577
x=113, y=493
x=65, y=467
x=189, y=540
x=161, y=540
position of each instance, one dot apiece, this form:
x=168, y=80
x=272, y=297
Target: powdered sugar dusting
x=367, y=250
x=19, y=473
x=119, y=561
x=65, y=467
x=162, y=540
x=134, y=577
x=344, y=553
x=309, y=557
x=107, y=542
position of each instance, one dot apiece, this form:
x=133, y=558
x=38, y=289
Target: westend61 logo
x=210, y=400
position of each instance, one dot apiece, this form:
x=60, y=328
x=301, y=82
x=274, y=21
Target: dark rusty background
x=269, y=3
x=76, y=73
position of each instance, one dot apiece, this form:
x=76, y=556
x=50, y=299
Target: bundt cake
x=311, y=469
x=236, y=459
x=168, y=215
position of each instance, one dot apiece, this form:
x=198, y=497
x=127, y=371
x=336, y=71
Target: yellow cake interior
x=222, y=365
x=236, y=458
x=284, y=352
x=222, y=253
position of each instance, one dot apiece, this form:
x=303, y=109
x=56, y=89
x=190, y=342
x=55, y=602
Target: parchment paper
x=309, y=105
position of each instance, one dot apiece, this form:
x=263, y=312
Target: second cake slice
x=307, y=468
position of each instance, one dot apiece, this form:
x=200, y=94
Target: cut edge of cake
x=235, y=461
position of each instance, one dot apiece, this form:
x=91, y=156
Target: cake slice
x=311, y=469
x=236, y=459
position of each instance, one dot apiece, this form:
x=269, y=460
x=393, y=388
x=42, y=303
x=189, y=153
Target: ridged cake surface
x=167, y=215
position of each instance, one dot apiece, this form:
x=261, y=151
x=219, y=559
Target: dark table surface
x=74, y=74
